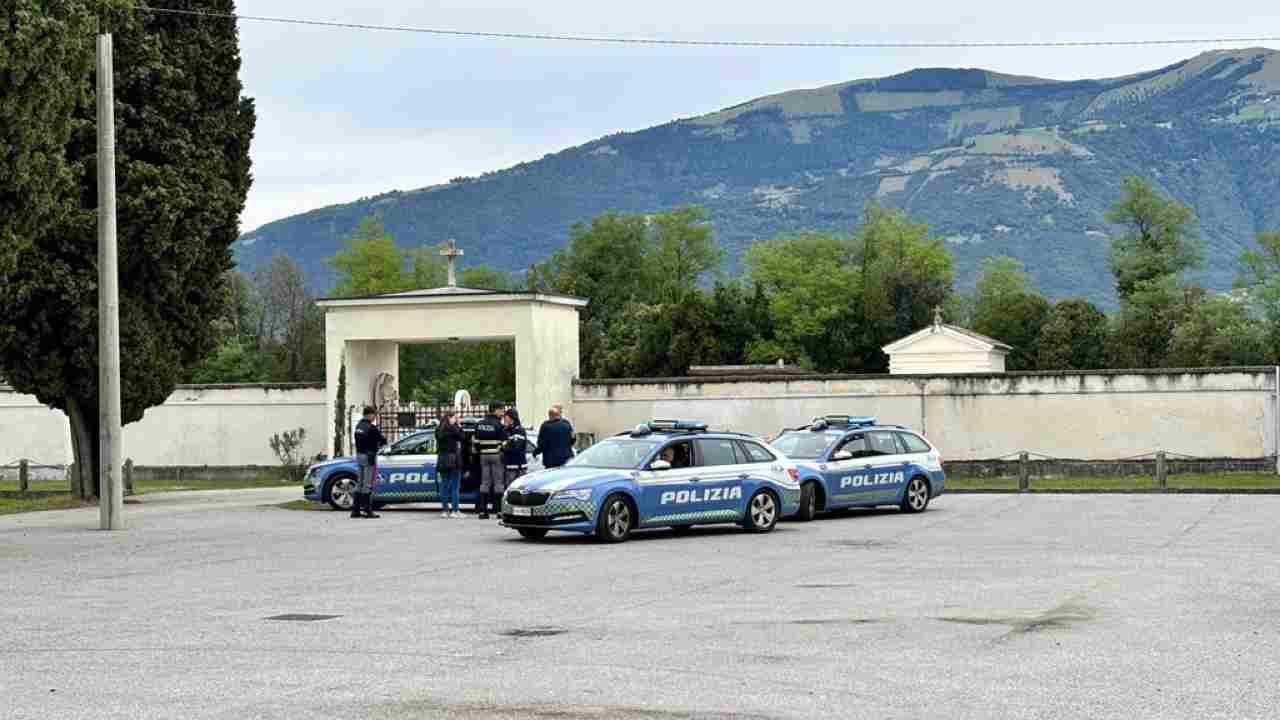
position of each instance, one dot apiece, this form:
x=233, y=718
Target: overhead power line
x=622, y=40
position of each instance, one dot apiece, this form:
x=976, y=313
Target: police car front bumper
x=570, y=515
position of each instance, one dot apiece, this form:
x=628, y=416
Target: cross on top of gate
x=451, y=252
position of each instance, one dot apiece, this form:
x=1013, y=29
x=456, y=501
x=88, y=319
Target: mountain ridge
x=995, y=163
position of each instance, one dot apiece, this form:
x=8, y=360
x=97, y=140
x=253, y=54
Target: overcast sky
x=347, y=113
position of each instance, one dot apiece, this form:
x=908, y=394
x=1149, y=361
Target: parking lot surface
x=986, y=606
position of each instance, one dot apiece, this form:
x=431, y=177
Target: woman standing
x=449, y=465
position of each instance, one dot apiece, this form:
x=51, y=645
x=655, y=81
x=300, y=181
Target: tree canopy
x=182, y=167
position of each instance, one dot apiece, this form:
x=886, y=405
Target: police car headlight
x=584, y=494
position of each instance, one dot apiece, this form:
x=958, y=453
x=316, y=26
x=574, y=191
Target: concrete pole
x=110, y=489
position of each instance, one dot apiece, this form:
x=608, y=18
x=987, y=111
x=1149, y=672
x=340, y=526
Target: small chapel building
x=942, y=349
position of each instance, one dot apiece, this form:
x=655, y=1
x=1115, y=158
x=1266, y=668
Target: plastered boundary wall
x=1227, y=412
x=216, y=425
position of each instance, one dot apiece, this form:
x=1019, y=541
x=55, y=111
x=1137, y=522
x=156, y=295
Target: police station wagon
x=406, y=473
x=849, y=461
x=664, y=473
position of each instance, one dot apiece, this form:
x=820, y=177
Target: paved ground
x=1048, y=606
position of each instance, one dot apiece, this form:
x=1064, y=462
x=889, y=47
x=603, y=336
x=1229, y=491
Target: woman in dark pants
x=449, y=465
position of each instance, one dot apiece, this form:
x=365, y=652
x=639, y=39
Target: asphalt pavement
x=985, y=606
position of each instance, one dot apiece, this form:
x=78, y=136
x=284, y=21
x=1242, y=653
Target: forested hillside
x=997, y=164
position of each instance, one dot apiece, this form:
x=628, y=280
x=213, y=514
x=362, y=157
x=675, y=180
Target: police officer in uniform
x=514, y=453
x=369, y=440
x=489, y=439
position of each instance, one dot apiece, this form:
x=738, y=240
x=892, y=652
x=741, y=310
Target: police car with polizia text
x=850, y=461
x=664, y=473
x=406, y=472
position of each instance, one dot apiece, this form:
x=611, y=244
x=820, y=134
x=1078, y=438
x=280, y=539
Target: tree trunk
x=84, y=446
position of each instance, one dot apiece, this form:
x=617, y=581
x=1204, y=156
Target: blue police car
x=665, y=473
x=849, y=461
x=406, y=473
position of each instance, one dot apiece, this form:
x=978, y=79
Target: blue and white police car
x=664, y=473
x=850, y=461
x=406, y=473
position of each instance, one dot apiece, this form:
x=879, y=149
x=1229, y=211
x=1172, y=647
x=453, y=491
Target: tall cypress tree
x=182, y=167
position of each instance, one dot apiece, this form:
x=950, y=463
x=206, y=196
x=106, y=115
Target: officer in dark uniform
x=369, y=440
x=489, y=438
x=514, y=453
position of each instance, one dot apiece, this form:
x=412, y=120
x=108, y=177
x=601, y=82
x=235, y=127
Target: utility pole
x=110, y=489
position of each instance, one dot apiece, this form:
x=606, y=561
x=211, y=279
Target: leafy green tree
x=231, y=362
x=813, y=284
x=1218, y=332
x=1158, y=241
x=182, y=169
x=1142, y=330
x=603, y=261
x=372, y=263
x=681, y=252
x=905, y=276
x=1073, y=337
x=1005, y=308
x=46, y=62
x=1260, y=279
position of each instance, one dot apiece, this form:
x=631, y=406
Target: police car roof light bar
x=829, y=421
x=685, y=425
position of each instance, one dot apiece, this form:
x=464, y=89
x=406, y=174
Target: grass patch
x=1189, y=481
x=36, y=503
x=53, y=494
x=142, y=487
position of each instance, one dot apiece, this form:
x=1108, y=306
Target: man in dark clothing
x=369, y=440
x=514, y=452
x=555, y=440
x=489, y=438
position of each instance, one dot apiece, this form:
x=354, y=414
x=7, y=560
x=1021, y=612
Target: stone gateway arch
x=365, y=334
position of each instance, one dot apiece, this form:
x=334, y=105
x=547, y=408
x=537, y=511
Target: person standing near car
x=514, y=452
x=555, y=440
x=489, y=438
x=369, y=441
x=449, y=465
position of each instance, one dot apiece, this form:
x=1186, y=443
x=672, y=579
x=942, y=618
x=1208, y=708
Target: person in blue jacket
x=514, y=452
x=555, y=440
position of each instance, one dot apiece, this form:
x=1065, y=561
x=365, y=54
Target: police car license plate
x=521, y=511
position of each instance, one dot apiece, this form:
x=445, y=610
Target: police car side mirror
x=842, y=455
x=659, y=465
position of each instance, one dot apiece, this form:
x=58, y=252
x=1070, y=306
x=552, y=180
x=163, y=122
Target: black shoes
x=482, y=507
x=362, y=507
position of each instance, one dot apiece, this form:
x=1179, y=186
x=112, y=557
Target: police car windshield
x=616, y=454
x=804, y=444
x=407, y=441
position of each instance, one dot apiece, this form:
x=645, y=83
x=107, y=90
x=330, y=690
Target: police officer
x=489, y=438
x=369, y=440
x=514, y=452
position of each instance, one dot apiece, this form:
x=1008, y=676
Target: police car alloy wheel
x=916, y=497
x=340, y=492
x=762, y=512
x=616, y=519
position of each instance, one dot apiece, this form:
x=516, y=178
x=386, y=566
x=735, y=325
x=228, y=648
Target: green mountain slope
x=997, y=164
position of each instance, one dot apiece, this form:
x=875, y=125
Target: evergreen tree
x=182, y=168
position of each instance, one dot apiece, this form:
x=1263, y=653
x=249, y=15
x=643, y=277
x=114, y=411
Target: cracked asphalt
x=986, y=606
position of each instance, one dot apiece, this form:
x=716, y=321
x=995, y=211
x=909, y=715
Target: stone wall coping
x=711, y=379
x=232, y=386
